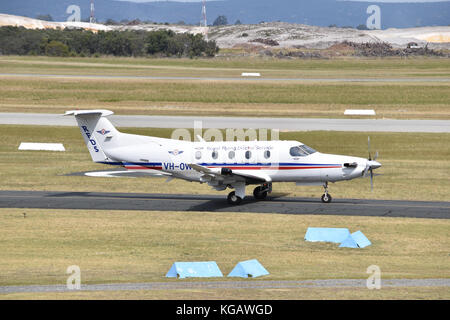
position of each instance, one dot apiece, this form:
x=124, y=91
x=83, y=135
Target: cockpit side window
x=301, y=151
x=309, y=150
x=297, y=152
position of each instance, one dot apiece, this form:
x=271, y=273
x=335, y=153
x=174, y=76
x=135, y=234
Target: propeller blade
x=376, y=156
x=371, y=179
x=365, y=171
x=368, y=147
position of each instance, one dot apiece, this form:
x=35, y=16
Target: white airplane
x=233, y=164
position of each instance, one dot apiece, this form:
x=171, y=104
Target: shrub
x=56, y=49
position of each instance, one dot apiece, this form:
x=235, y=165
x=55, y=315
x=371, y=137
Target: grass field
x=415, y=165
x=125, y=246
x=222, y=67
x=410, y=293
x=416, y=99
x=122, y=246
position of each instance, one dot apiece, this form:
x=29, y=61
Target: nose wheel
x=326, y=197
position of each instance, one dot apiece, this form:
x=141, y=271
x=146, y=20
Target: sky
x=165, y=0
x=395, y=1
x=374, y=1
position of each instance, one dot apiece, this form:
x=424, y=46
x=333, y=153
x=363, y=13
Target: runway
x=215, y=203
x=292, y=124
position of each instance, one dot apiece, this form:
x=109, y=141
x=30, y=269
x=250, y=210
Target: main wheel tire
x=258, y=194
x=326, y=198
x=233, y=198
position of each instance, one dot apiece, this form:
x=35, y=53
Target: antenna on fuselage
x=199, y=137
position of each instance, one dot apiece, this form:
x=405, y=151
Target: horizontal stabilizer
x=102, y=112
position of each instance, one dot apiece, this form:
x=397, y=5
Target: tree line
x=79, y=42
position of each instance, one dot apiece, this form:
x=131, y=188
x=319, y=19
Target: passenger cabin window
x=214, y=154
x=301, y=151
x=231, y=154
x=248, y=155
x=267, y=154
x=198, y=155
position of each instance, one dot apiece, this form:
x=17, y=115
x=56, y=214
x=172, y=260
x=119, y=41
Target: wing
x=230, y=176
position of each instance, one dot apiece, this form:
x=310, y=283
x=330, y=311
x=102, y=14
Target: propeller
x=371, y=164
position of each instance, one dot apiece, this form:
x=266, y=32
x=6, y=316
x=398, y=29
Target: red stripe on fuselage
x=276, y=168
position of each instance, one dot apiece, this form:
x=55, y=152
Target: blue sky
x=373, y=1
x=397, y=1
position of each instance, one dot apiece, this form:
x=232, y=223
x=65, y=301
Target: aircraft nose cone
x=374, y=164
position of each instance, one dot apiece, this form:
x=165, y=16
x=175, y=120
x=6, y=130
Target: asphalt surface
x=293, y=124
x=213, y=203
x=250, y=284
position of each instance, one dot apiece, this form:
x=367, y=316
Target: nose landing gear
x=326, y=197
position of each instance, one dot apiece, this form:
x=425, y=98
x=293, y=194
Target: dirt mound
x=269, y=42
x=384, y=49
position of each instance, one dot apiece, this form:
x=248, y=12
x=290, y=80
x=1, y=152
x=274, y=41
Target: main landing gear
x=260, y=193
x=326, y=197
x=233, y=198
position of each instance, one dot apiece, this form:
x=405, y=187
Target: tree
x=362, y=27
x=56, y=49
x=111, y=22
x=71, y=42
x=238, y=22
x=220, y=21
x=158, y=41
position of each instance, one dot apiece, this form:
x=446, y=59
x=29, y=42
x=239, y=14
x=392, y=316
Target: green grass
x=415, y=165
x=123, y=246
x=388, y=65
x=183, y=97
x=409, y=293
x=50, y=92
x=415, y=99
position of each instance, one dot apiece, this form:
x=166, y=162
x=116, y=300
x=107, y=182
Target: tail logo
x=103, y=132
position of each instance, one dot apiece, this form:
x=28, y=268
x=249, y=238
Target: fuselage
x=282, y=161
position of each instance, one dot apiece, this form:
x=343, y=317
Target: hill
x=269, y=34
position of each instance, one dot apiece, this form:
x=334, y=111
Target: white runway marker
x=359, y=112
x=42, y=146
x=251, y=74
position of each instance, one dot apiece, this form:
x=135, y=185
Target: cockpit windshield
x=301, y=151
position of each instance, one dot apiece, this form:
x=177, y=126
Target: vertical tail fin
x=95, y=130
